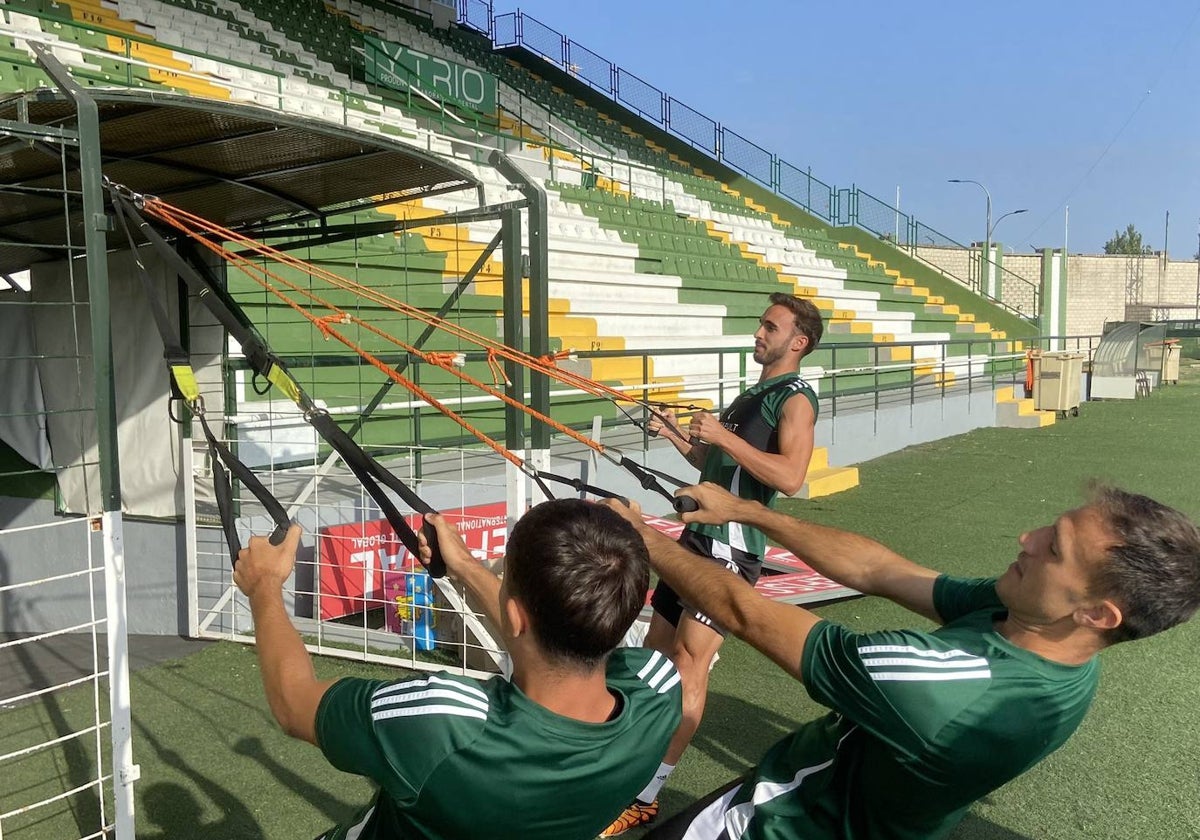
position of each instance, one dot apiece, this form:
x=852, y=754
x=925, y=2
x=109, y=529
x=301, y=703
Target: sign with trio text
x=396, y=66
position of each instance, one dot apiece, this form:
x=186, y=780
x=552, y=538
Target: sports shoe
x=637, y=813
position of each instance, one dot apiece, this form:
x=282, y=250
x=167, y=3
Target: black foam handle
x=685, y=504
x=279, y=534
x=436, y=565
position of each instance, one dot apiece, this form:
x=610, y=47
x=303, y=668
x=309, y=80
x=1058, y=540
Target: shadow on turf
x=169, y=810
x=725, y=737
x=977, y=828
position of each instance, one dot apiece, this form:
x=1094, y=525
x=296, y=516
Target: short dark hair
x=582, y=573
x=806, y=317
x=1153, y=572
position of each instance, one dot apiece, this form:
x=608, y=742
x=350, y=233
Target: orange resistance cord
x=445, y=361
x=547, y=365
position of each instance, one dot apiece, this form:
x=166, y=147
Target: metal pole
x=510, y=226
x=95, y=224
x=539, y=287
x=514, y=426
x=987, y=229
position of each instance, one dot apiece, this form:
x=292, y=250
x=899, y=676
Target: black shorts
x=665, y=600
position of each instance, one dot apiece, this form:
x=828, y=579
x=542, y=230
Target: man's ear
x=1104, y=615
x=516, y=616
x=799, y=342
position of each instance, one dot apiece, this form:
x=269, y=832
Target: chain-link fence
x=543, y=40
x=591, y=68
x=692, y=126
x=881, y=218
x=801, y=187
x=746, y=157
x=476, y=14
x=640, y=95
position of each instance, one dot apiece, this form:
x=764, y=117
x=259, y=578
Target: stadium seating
x=646, y=253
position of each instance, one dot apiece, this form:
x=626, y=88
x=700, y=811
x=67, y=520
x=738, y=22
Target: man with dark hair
x=760, y=445
x=924, y=723
x=555, y=753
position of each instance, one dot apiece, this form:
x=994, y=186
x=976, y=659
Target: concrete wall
x=1100, y=287
x=154, y=568
x=1117, y=288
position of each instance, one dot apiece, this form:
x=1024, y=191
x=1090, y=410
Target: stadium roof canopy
x=238, y=166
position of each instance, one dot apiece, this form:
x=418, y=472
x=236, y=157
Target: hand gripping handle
x=685, y=504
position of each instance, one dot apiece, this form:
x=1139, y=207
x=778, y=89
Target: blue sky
x=1046, y=102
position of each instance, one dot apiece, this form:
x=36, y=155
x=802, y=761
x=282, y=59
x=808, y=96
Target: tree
x=1128, y=241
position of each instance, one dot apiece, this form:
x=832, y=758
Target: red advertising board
x=798, y=583
x=355, y=557
x=362, y=563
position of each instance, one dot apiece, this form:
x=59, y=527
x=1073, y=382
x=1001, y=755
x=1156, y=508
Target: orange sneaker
x=638, y=813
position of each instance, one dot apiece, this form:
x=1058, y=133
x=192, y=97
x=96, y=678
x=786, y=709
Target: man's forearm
x=772, y=469
x=696, y=454
x=705, y=586
x=847, y=558
x=483, y=585
x=287, y=672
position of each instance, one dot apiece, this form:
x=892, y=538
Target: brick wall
x=1096, y=285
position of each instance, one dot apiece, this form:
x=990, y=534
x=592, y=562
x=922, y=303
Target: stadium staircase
x=646, y=251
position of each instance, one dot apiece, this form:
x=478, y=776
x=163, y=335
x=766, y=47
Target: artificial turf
x=214, y=765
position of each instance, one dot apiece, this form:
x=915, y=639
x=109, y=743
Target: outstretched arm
x=848, y=558
x=292, y=688
x=784, y=471
x=463, y=567
x=776, y=630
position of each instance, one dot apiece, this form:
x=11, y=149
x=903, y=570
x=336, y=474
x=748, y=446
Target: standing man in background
x=758, y=447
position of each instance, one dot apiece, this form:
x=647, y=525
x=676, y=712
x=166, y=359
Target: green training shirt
x=459, y=758
x=927, y=723
x=754, y=417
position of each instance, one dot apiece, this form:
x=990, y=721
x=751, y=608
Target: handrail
x=736, y=377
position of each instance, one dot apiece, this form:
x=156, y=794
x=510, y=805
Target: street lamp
x=1005, y=216
x=987, y=227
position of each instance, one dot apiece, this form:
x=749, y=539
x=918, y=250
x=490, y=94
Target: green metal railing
x=832, y=205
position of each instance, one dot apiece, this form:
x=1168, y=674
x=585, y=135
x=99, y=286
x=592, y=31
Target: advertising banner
x=396, y=66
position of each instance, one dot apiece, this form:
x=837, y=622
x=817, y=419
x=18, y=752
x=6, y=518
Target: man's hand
x=454, y=549
x=717, y=505
x=629, y=510
x=707, y=429
x=661, y=420
x=262, y=567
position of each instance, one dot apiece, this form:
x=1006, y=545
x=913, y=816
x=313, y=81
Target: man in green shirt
x=553, y=754
x=760, y=445
x=925, y=723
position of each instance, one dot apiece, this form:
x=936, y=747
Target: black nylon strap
x=366, y=469
x=576, y=484
x=223, y=460
x=374, y=478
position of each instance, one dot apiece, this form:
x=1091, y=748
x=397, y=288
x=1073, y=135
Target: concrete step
x=824, y=480
x=1014, y=412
